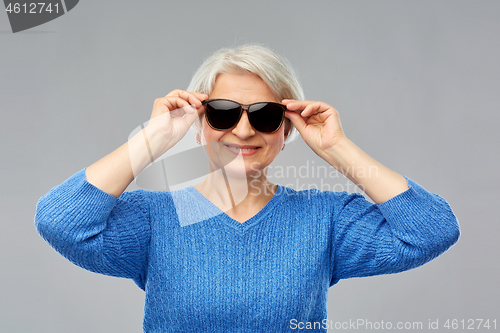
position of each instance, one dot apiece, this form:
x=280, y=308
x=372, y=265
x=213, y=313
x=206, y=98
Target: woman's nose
x=243, y=129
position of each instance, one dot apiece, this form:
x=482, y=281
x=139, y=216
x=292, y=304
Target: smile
x=245, y=150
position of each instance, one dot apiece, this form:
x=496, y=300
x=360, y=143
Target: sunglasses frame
x=243, y=107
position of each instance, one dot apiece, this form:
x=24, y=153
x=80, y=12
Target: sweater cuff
x=421, y=213
x=423, y=219
x=402, y=204
x=102, y=201
x=73, y=195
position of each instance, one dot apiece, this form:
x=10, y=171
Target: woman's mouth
x=245, y=150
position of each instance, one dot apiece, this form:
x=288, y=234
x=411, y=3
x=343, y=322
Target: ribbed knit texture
x=218, y=275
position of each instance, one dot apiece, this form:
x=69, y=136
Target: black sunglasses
x=223, y=114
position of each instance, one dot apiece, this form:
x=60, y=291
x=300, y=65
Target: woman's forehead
x=243, y=88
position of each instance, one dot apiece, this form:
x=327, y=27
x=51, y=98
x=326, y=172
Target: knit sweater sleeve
x=95, y=230
x=402, y=233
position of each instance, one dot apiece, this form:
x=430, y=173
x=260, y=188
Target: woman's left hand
x=318, y=123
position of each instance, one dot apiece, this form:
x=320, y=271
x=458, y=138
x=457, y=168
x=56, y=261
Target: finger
x=297, y=120
x=297, y=106
x=181, y=108
x=297, y=112
x=287, y=101
x=294, y=105
x=168, y=104
x=190, y=117
x=187, y=96
x=314, y=108
x=200, y=96
x=301, y=107
x=174, y=103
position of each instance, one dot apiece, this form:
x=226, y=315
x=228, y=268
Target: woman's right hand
x=171, y=118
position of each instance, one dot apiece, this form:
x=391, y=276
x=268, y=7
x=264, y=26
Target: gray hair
x=273, y=69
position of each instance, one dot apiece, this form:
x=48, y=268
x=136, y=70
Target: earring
x=198, y=142
x=283, y=147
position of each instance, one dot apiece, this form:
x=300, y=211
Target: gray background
x=416, y=84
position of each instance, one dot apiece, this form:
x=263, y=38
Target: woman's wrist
x=156, y=141
x=341, y=154
x=376, y=180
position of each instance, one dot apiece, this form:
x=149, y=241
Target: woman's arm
x=88, y=218
x=406, y=227
x=376, y=180
x=95, y=230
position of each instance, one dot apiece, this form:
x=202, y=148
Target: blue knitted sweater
x=263, y=275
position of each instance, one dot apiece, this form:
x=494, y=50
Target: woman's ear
x=288, y=127
x=198, y=128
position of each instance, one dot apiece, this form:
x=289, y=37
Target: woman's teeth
x=243, y=149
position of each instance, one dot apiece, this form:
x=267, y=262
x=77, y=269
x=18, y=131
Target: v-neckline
x=226, y=219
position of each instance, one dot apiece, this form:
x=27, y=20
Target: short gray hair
x=273, y=69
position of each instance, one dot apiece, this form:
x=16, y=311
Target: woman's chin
x=240, y=168
x=241, y=171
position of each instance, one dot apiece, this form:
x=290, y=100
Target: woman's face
x=224, y=146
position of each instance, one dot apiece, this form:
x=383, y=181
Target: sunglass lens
x=223, y=115
x=266, y=117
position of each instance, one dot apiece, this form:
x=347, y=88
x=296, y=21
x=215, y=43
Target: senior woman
x=260, y=257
